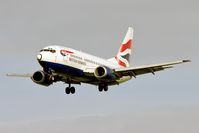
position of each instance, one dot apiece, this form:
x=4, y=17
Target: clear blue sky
x=164, y=31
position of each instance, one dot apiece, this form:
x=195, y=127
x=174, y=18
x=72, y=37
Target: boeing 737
x=75, y=67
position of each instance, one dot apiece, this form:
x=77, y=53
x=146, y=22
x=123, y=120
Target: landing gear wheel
x=105, y=88
x=72, y=90
x=100, y=88
x=67, y=90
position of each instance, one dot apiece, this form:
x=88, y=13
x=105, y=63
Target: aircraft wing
x=19, y=75
x=135, y=71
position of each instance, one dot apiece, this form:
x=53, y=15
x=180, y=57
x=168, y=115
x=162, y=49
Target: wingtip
x=186, y=60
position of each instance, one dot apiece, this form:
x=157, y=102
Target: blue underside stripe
x=62, y=68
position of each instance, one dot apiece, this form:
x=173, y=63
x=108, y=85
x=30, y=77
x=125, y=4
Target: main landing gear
x=103, y=87
x=70, y=89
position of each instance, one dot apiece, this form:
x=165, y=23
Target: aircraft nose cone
x=39, y=57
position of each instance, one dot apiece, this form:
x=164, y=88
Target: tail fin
x=123, y=56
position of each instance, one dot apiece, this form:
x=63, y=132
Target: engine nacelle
x=104, y=73
x=41, y=78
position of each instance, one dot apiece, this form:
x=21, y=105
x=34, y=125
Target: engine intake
x=103, y=72
x=42, y=78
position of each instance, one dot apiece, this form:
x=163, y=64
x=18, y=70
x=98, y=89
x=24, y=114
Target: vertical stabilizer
x=124, y=53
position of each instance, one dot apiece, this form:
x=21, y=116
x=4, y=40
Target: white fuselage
x=74, y=58
x=73, y=63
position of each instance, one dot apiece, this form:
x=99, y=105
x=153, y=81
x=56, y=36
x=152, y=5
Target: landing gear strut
x=70, y=89
x=103, y=87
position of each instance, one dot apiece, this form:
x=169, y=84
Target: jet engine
x=103, y=73
x=42, y=78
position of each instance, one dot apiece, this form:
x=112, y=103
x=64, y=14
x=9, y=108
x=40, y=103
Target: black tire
x=100, y=88
x=67, y=90
x=105, y=88
x=72, y=90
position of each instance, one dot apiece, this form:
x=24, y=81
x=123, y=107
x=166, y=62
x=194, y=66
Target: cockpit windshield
x=48, y=50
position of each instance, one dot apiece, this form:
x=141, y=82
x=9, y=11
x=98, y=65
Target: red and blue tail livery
x=124, y=53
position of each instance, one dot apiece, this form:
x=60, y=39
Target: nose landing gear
x=70, y=89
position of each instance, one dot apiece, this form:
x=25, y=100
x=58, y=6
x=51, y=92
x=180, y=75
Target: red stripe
x=66, y=51
x=126, y=46
x=120, y=62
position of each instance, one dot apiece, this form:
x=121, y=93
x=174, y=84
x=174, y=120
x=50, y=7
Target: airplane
x=75, y=67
